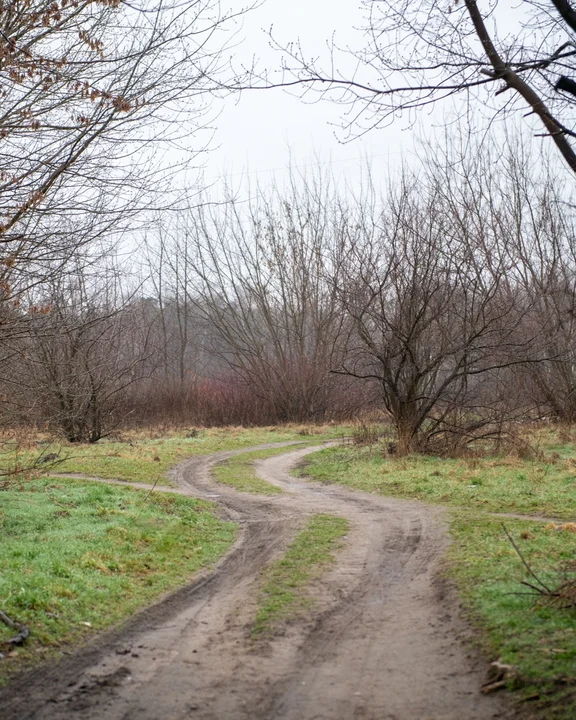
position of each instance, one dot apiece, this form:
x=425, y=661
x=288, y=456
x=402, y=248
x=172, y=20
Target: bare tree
x=86, y=347
x=417, y=54
x=438, y=294
x=169, y=264
x=261, y=287
x=102, y=104
x=435, y=306
x=545, y=268
x=95, y=95
x=89, y=87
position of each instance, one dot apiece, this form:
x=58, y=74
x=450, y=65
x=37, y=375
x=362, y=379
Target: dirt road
x=383, y=642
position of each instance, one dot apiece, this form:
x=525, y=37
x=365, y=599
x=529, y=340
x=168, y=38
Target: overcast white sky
x=257, y=133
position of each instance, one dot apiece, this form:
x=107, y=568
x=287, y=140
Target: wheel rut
x=384, y=640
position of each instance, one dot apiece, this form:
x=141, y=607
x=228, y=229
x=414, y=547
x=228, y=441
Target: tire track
x=383, y=642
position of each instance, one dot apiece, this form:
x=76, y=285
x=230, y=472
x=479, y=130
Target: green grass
x=538, y=639
x=284, y=592
x=239, y=471
x=144, y=457
x=492, y=484
x=77, y=557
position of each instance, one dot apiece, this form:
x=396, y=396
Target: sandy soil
x=384, y=640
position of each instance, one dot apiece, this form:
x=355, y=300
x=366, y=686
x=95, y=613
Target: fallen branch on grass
x=499, y=674
x=23, y=631
x=563, y=595
x=9, y=472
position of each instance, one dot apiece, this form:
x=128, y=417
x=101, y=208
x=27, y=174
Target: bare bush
x=434, y=310
x=259, y=286
x=80, y=357
x=209, y=402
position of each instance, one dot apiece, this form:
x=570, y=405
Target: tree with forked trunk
x=429, y=283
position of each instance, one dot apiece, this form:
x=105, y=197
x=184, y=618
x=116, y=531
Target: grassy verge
x=239, y=471
x=284, y=591
x=505, y=484
x=145, y=457
x=524, y=631
x=78, y=557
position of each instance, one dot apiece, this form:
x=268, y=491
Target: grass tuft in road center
x=284, y=593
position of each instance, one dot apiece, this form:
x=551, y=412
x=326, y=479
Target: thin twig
x=6, y=620
x=151, y=490
x=525, y=562
x=23, y=631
